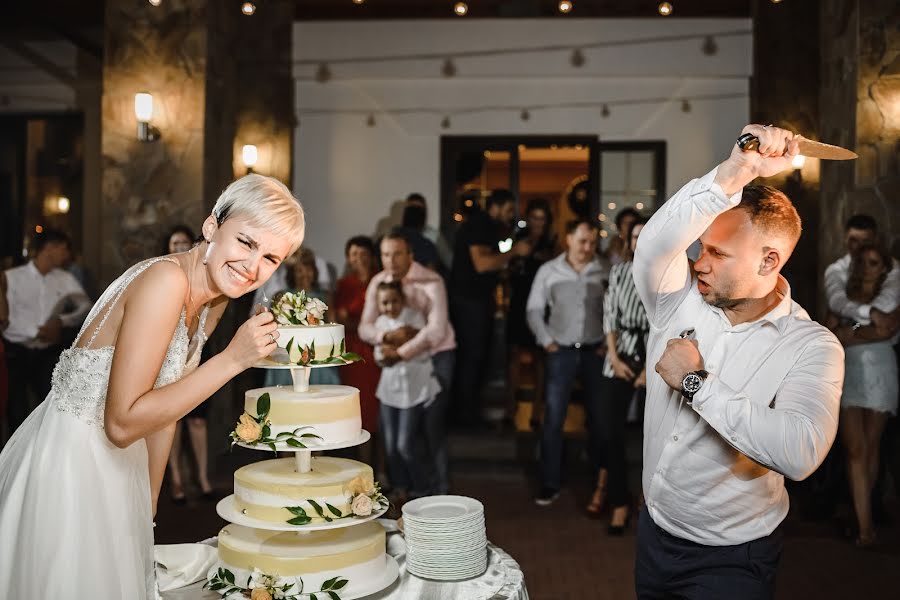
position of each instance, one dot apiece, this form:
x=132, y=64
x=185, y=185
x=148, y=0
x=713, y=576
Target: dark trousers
x=613, y=411
x=473, y=322
x=667, y=567
x=30, y=370
x=563, y=366
x=436, y=424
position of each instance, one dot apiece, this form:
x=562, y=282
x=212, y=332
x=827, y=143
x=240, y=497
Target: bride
x=80, y=478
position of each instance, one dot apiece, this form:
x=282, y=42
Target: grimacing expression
x=390, y=303
x=242, y=256
x=396, y=257
x=582, y=244
x=730, y=259
x=856, y=238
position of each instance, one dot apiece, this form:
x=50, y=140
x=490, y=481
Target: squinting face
x=390, y=303
x=730, y=259
x=242, y=257
x=396, y=257
x=856, y=238
x=179, y=242
x=635, y=233
x=581, y=244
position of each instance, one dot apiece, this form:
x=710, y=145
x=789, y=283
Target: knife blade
x=808, y=148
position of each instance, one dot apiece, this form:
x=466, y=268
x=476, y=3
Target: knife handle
x=748, y=142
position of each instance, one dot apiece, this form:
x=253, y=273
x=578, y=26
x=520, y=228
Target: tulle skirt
x=75, y=512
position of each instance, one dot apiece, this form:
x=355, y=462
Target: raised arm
x=792, y=434
x=134, y=409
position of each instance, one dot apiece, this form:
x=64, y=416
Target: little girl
x=406, y=387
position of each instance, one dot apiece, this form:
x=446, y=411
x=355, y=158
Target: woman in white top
x=406, y=387
x=80, y=478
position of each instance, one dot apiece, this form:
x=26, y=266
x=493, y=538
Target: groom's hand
x=680, y=358
x=777, y=148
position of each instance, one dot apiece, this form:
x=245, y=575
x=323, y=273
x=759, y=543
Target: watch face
x=691, y=383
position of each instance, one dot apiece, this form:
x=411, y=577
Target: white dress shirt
x=574, y=300
x=836, y=276
x=714, y=469
x=34, y=298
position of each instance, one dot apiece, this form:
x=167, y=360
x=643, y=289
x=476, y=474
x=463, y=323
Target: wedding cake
x=301, y=527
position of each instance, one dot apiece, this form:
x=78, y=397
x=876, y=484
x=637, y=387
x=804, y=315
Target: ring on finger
x=272, y=335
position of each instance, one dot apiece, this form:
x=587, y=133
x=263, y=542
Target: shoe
x=547, y=496
x=179, y=500
x=619, y=530
x=866, y=541
x=598, y=500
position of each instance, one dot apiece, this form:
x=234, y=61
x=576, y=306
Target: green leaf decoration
x=297, y=510
x=334, y=511
x=295, y=443
x=272, y=446
x=313, y=597
x=289, y=345
x=312, y=349
x=311, y=435
x=229, y=577
x=343, y=348
x=327, y=585
x=299, y=521
x=340, y=584
x=333, y=595
x=351, y=357
x=333, y=348
x=263, y=403
x=266, y=431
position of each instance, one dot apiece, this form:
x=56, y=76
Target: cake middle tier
x=267, y=489
x=330, y=411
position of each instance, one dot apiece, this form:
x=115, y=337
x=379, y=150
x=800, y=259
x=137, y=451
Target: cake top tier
x=298, y=308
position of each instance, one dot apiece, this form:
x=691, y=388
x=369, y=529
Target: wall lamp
x=250, y=155
x=143, y=110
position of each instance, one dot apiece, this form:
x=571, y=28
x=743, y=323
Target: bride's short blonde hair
x=263, y=202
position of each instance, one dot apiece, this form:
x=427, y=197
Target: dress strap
x=115, y=291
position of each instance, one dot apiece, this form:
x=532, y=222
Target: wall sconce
x=143, y=110
x=798, y=161
x=250, y=155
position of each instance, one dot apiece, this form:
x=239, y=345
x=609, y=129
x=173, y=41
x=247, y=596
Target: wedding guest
x=349, y=301
x=445, y=252
x=303, y=275
x=412, y=227
x=870, y=383
x=477, y=263
x=181, y=239
x=43, y=300
x=424, y=291
x=523, y=349
x=618, y=246
x=625, y=370
x=405, y=389
x=743, y=388
x=565, y=313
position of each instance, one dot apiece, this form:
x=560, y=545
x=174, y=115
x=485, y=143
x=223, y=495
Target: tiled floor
x=565, y=556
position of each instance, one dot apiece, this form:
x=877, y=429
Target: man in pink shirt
x=425, y=291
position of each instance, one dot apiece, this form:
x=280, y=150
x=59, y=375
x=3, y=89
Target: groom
x=746, y=390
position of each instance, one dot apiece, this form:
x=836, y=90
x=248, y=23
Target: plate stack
x=445, y=538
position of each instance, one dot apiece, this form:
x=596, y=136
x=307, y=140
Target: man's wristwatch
x=692, y=382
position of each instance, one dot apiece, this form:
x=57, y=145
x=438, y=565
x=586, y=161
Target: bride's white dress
x=75, y=510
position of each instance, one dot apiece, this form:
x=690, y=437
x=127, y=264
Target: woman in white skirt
x=870, y=384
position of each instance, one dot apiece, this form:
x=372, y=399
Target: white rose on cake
x=361, y=506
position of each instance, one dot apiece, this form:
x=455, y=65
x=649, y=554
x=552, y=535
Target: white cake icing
x=322, y=340
x=265, y=489
x=353, y=553
x=331, y=411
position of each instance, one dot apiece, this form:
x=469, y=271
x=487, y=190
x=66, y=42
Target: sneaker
x=547, y=496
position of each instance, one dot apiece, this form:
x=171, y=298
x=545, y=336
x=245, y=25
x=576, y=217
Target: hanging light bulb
x=460, y=8
x=665, y=8
x=565, y=6
x=371, y=121
x=709, y=46
x=685, y=106
x=155, y=2
x=577, y=59
x=248, y=8
x=323, y=73
x=525, y=114
x=358, y=1
x=448, y=69
x=445, y=123
x=604, y=112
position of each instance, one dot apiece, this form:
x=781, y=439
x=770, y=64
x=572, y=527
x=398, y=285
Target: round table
x=503, y=579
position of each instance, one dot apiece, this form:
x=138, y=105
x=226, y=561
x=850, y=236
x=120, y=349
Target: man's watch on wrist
x=692, y=382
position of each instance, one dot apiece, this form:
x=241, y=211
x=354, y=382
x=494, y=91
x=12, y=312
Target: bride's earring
x=208, y=249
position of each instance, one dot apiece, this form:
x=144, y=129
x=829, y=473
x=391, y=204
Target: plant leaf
x=351, y=357
x=340, y=584
x=272, y=446
x=299, y=520
x=327, y=584
x=295, y=443
x=229, y=577
x=334, y=511
x=296, y=510
x=263, y=403
x=333, y=596
x=311, y=435
x=343, y=348
x=266, y=431
x=289, y=345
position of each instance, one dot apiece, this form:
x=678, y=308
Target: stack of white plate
x=445, y=537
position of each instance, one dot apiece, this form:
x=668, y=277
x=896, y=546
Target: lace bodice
x=81, y=376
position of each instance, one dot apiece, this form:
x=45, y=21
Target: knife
x=808, y=148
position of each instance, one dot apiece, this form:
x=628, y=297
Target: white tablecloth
x=503, y=580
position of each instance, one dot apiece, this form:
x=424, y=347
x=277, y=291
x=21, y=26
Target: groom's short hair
x=771, y=212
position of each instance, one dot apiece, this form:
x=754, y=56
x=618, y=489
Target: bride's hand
x=254, y=340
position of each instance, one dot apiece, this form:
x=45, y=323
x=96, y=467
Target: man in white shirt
x=861, y=230
x=746, y=388
x=41, y=300
x=570, y=288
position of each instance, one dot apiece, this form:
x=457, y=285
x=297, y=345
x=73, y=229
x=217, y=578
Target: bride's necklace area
x=191, y=270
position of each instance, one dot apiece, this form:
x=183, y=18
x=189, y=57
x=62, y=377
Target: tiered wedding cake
x=302, y=526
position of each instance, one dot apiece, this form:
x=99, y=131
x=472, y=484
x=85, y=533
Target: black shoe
x=547, y=496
